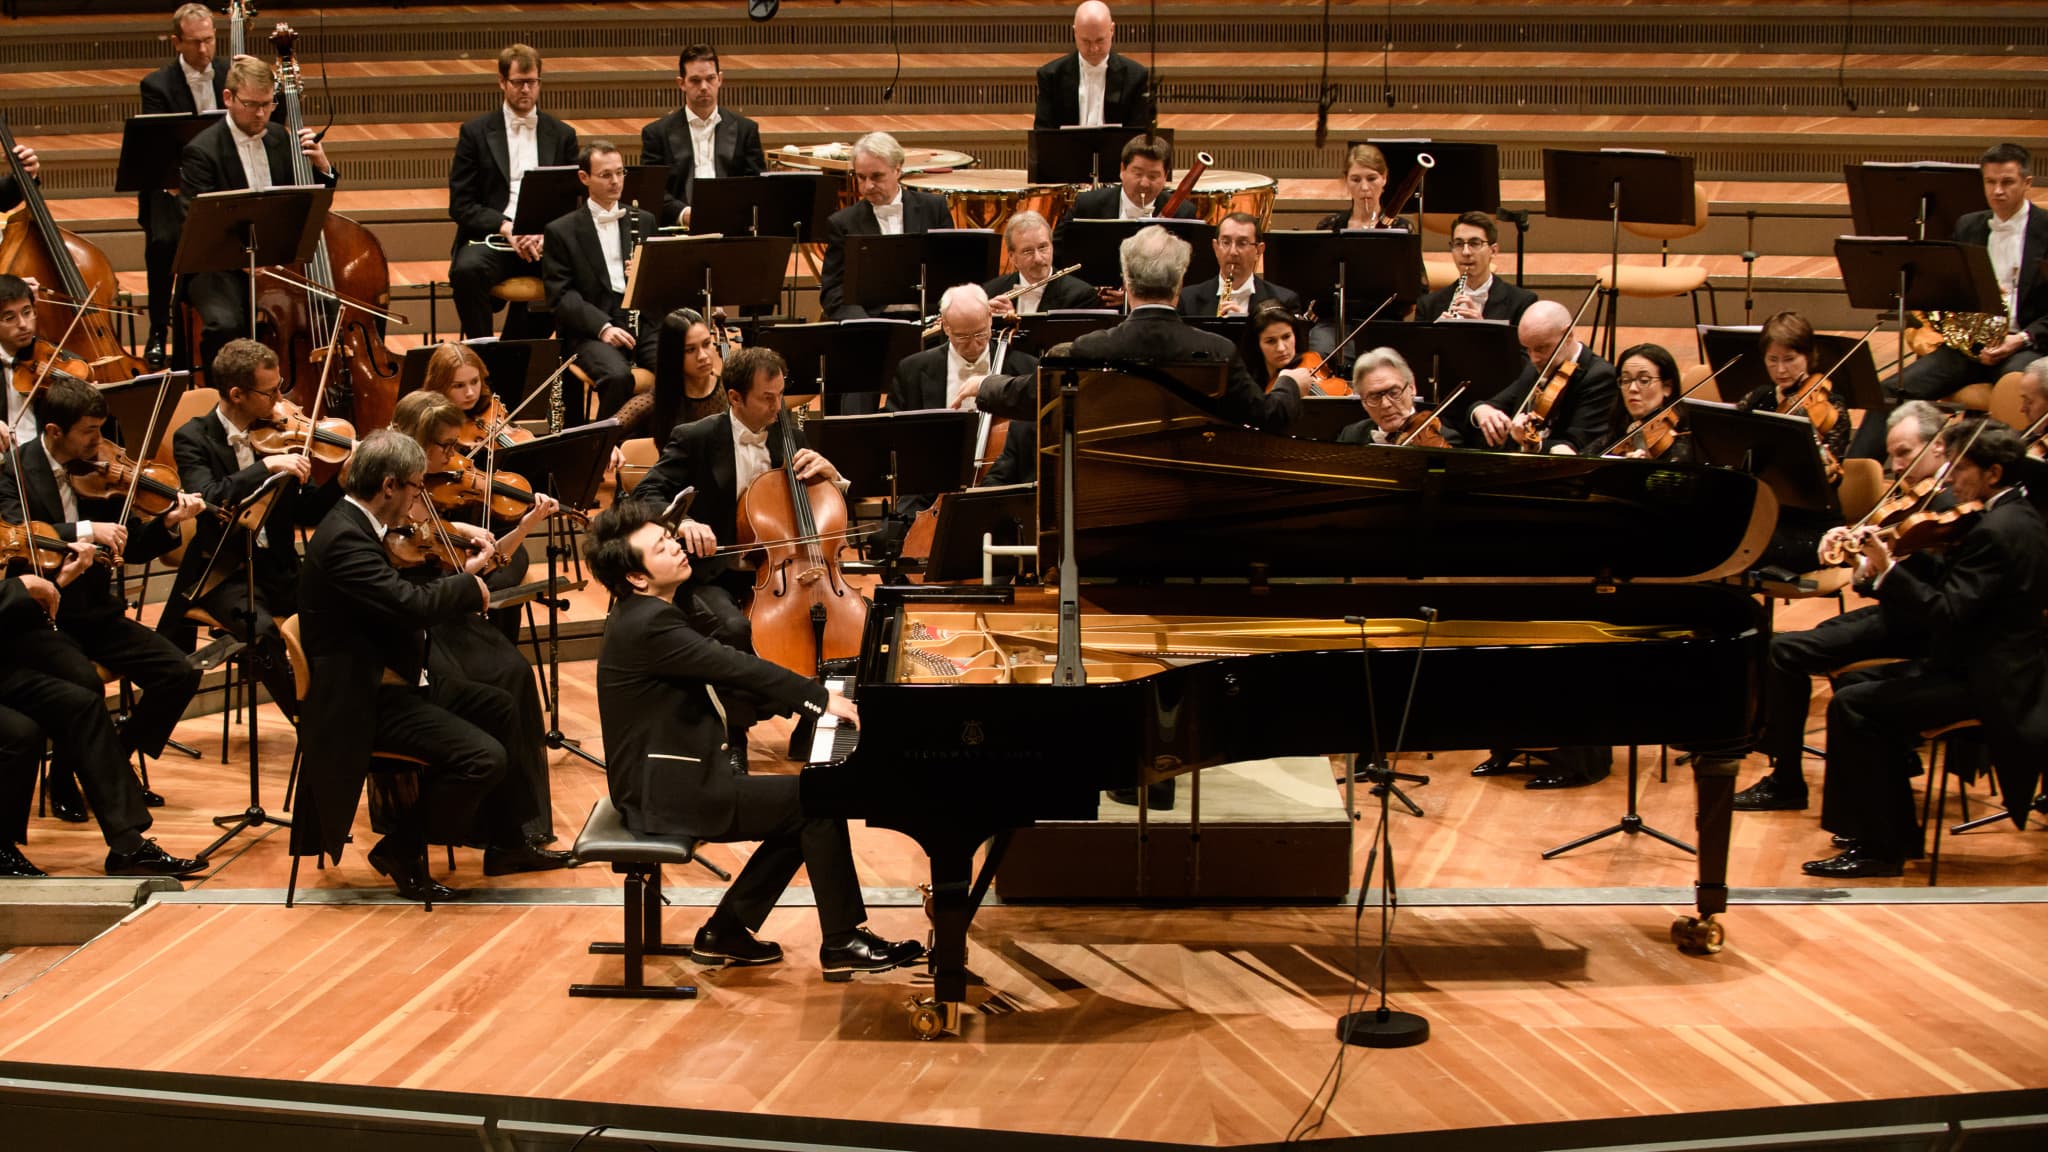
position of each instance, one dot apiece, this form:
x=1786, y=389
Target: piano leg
x=953, y=899
x=1714, y=789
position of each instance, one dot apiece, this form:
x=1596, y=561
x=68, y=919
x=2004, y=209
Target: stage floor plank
x=1207, y=1026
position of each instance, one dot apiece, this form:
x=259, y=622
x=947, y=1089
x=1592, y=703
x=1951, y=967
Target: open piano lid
x=1168, y=487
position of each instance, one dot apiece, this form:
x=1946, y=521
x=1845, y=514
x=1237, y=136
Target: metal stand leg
x=1630, y=823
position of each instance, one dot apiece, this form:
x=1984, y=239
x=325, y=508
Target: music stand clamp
x=1076, y=155
x=848, y=362
x=1639, y=187
x=695, y=271
x=917, y=268
x=247, y=229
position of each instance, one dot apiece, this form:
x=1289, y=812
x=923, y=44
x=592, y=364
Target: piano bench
x=606, y=839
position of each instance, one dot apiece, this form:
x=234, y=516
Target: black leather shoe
x=408, y=873
x=154, y=354
x=61, y=792
x=732, y=944
x=865, y=952
x=150, y=860
x=1561, y=780
x=13, y=863
x=1843, y=842
x=1502, y=766
x=1853, y=864
x=1768, y=795
x=525, y=858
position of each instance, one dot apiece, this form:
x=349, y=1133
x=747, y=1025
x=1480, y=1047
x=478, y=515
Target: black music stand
x=248, y=229
x=1001, y=512
x=153, y=149
x=547, y=194
x=1466, y=177
x=1076, y=155
x=510, y=365
x=793, y=204
x=568, y=465
x=1856, y=379
x=1324, y=417
x=695, y=271
x=1777, y=449
x=1921, y=200
x=130, y=403
x=646, y=187
x=1040, y=331
x=1093, y=245
x=1891, y=275
x=917, y=268
x=1614, y=185
x=1483, y=355
x=848, y=362
x=927, y=452
x=1352, y=271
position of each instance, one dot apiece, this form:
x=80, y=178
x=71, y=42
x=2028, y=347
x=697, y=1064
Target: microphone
x=1323, y=115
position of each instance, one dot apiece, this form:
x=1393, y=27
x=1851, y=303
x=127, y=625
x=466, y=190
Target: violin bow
x=1800, y=400
x=1436, y=416
x=1348, y=338
x=1899, y=481
x=1668, y=405
x=1551, y=362
x=149, y=432
x=320, y=392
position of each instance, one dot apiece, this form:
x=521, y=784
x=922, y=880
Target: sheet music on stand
x=849, y=363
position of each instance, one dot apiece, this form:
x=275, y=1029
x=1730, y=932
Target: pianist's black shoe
x=14, y=864
x=731, y=944
x=862, y=951
x=1505, y=764
x=65, y=802
x=1853, y=864
x=150, y=860
x=1770, y=795
x=1158, y=797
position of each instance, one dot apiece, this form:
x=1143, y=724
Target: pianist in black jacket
x=1580, y=420
x=661, y=691
x=1385, y=387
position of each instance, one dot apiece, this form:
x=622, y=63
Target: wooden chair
x=640, y=456
x=2005, y=401
x=1663, y=280
x=1941, y=749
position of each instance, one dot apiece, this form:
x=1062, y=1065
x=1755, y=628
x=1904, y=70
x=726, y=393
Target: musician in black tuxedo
x=586, y=262
x=700, y=140
x=1477, y=294
x=1029, y=240
x=721, y=456
x=1972, y=627
x=364, y=628
x=662, y=692
x=493, y=154
x=1238, y=288
x=1579, y=421
x=244, y=150
x=1092, y=85
x=885, y=208
x=94, y=614
x=215, y=460
x=1385, y=387
x=40, y=706
x=194, y=80
x=1140, y=192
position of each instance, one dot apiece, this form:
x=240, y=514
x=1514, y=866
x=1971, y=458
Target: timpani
x=1219, y=192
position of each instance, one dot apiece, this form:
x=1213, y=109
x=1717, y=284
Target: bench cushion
x=606, y=839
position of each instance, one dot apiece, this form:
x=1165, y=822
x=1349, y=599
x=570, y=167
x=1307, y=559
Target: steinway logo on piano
x=970, y=733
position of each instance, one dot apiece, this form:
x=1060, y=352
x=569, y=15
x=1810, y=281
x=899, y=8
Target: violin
x=492, y=424
x=463, y=485
x=288, y=429
x=1922, y=531
x=43, y=362
x=1542, y=399
x=38, y=545
x=1421, y=429
x=1655, y=436
x=112, y=473
x=419, y=541
x=803, y=611
x=1817, y=403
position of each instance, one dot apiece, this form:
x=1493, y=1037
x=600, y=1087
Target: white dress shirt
x=201, y=84
x=1242, y=294
x=607, y=221
x=19, y=416
x=1094, y=82
x=2008, y=245
x=245, y=456
x=749, y=455
x=1125, y=210
x=522, y=152
x=255, y=159
x=890, y=216
x=703, y=144
x=959, y=371
x=1028, y=303
x=66, y=498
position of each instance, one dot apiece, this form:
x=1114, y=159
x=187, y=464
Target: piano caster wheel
x=1697, y=935
x=931, y=1019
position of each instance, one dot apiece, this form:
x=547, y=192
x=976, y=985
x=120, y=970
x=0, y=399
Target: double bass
x=348, y=262
x=73, y=275
x=803, y=611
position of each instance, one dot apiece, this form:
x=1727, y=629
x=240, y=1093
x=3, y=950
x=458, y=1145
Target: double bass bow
x=803, y=611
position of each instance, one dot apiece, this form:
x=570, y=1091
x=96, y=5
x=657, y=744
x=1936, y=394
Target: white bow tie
x=2006, y=226
x=238, y=439
x=888, y=209
x=526, y=123
x=753, y=439
x=612, y=215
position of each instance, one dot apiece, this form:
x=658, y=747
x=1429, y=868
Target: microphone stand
x=1384, y=1027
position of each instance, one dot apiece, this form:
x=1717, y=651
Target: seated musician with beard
x=1386, y=387
x=663, y=690
x=1579, y=420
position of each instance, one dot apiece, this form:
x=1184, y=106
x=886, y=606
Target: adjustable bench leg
x=643, y=938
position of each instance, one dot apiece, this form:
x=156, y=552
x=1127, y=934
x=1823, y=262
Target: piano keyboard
x=830, y=740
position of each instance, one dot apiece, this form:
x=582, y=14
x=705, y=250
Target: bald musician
x=1579, y=421
x=1092, y=86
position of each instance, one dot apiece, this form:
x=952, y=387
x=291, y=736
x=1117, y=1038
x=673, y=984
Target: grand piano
x=1226, y=595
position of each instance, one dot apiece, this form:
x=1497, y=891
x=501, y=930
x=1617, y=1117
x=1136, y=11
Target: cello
x=73, y=275
x=348, y=262
x=802, y=609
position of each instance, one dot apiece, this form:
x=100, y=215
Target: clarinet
x=632, y=250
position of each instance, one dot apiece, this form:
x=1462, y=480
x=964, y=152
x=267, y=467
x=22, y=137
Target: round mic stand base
x=1382, y=1028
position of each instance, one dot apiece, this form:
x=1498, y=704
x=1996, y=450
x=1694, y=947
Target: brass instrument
x=1187, y=184
x=1971, y=332
x=497, y=243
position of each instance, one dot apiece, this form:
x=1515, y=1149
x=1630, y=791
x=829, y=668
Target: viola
x=1542, y=399
x=112, y=473
x=289, y=430
x=1421, y=429
x=490, y=423
x=463, y=485
x=803, y=610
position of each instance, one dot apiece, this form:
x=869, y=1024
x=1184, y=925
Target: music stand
x=1921, y=200
x=1040, y=331
x=1076, y=155
x=1323, y=417
x=917, y=268
x=1358, y=265
x=1093, y=245
x=1778, y=450
x=153, y=149
x=694, y=271
x=246, y=229
x=646, y=187
x=919, y=453
x=965, y=517
x=510, y=365
x=548, y=194
x=793, y=204
x=1484, y=355
x=130, y=403
x=1855, y=380
x=1466, y=177
x=1641, y=187
x=848, y=362
x=1892, y=275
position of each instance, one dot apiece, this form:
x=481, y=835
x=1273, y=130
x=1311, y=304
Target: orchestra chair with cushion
x=524, y=296
x=638, y=457
x=639, y=857
x=1862, y=483
x=2004, y=404
x=394, y=780
x=1661, y=280
x=191, y=402
x=1438, y=271
x=643, y=385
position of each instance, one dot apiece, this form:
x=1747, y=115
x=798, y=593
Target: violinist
x=17, y=341
x=1271, y=346
x=586, y=263
x=1028, y=238
x=664, y=695
x=93, y=620
x=194, y=80
x=1912, y=427
x=493, y=154
x=457, y=372
x=1386, y=387
x=700, y=140
x=245, y=150
x=1477, y=294
x=720, y=456
x=1788, y=352
x=1578, y=421
x=1972, y=630
x=2033, y=399
x=216, y=460
x=41, y=704
x=1237, y=288
x=885, y=208
x=365, y=632
x=1649, y=381
x=11, y=196
x=468, y=647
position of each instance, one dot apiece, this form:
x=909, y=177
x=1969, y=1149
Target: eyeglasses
x=1385, y=399
x=449, y=445
x=532, y=83
x=1640, y=381
x=248, y=103
x=1469, y=245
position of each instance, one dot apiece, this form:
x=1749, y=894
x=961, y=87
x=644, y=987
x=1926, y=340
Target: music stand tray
x=793, y=204
x=569, y=464
x=1932, y=275
x=833, y=358
x=697, y=271
x=1922, y=200
x=1368, y=264
x=1076, y=155
x=917, y=268
x=547, y=194
x=1466, y=177
x=965, y=517
x=1093, y=245
x=919, y=453
x=153, y=148
x=1778, y=450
